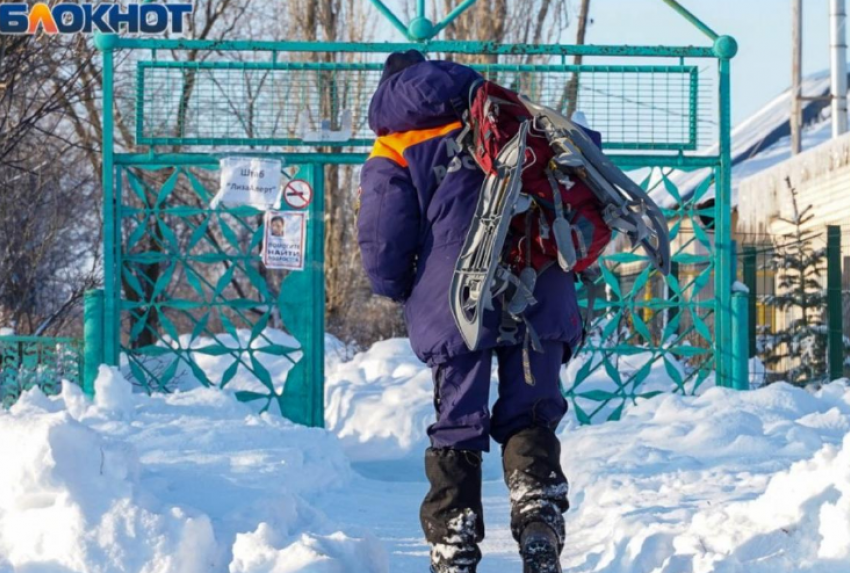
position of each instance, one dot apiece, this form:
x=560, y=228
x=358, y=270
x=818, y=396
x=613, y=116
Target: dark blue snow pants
x=462, y=396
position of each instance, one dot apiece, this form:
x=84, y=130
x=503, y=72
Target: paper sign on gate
x=249, y=181
x=285, y=240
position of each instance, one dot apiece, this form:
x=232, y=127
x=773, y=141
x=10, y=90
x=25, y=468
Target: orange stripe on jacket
x=393, y=146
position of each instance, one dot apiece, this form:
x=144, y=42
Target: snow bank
x=69, y=500
x=187, y=482
x=336, y=553
x=380, y=403
x=723, y=482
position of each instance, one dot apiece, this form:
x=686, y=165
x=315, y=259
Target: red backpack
x=495, y=115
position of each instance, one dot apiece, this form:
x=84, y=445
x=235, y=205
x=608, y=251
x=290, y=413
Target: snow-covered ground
x=185, y=483
x=756, y=481
x=722, y=482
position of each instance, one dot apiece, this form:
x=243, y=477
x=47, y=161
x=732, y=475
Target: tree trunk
x=572, y=85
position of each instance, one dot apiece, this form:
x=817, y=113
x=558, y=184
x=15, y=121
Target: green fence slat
x=229, y=373
x=167, y=188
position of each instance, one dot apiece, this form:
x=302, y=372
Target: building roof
x=762, y=140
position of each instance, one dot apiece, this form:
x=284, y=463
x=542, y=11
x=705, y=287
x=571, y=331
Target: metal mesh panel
x=265, y=103
x=763, y=273
x=635, y=107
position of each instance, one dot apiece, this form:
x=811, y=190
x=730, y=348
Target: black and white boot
x=539, y=548
x=452, y=515
x=538, y=491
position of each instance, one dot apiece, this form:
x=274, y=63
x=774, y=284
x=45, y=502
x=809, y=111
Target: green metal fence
x=28, y=362
x=763, y=270
x=186, y=295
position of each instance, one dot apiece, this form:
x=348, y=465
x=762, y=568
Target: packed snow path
x=195, y=482
x=387, y=502
x=726, y=481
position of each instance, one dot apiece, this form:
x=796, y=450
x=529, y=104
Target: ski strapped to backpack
x=550, y=196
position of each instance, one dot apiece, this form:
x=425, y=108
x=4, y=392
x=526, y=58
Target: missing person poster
x=285, y=240
x=249, y=181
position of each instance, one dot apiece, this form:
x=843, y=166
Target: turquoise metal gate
x=165, y=317
x=194, y=300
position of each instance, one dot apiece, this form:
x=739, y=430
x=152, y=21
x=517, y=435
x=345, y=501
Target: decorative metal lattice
x=198, y=304
x=28, y=362
x=651, y=334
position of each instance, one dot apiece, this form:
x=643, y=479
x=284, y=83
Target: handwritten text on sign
x=249, y=181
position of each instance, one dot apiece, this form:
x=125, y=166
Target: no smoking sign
x=298, y=194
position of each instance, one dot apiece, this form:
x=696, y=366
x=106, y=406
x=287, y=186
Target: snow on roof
x=764, y=195
x=761, y=141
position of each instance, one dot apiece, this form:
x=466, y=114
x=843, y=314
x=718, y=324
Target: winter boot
x=539, y=548
x=452, y=516
x=538, y=491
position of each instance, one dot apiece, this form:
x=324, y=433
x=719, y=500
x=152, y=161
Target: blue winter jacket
x=418, y=193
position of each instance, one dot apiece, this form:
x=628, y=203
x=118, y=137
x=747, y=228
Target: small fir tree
x=799, y=293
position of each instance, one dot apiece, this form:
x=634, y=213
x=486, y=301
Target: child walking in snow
x=419, y=190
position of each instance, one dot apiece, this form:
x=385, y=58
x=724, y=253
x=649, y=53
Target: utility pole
x=796, y=74
x=572, y=86
x=838, y=67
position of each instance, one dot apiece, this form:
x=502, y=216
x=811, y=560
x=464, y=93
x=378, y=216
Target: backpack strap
x=513, y=312
x=588, y=279
x=520, y=293
x=461, y=105
x=508, y=329
x=561, y=227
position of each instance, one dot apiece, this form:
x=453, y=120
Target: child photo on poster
x=284, y=241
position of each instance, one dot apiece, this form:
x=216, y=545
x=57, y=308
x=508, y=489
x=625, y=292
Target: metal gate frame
x=301, y=310
x=721, y=353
